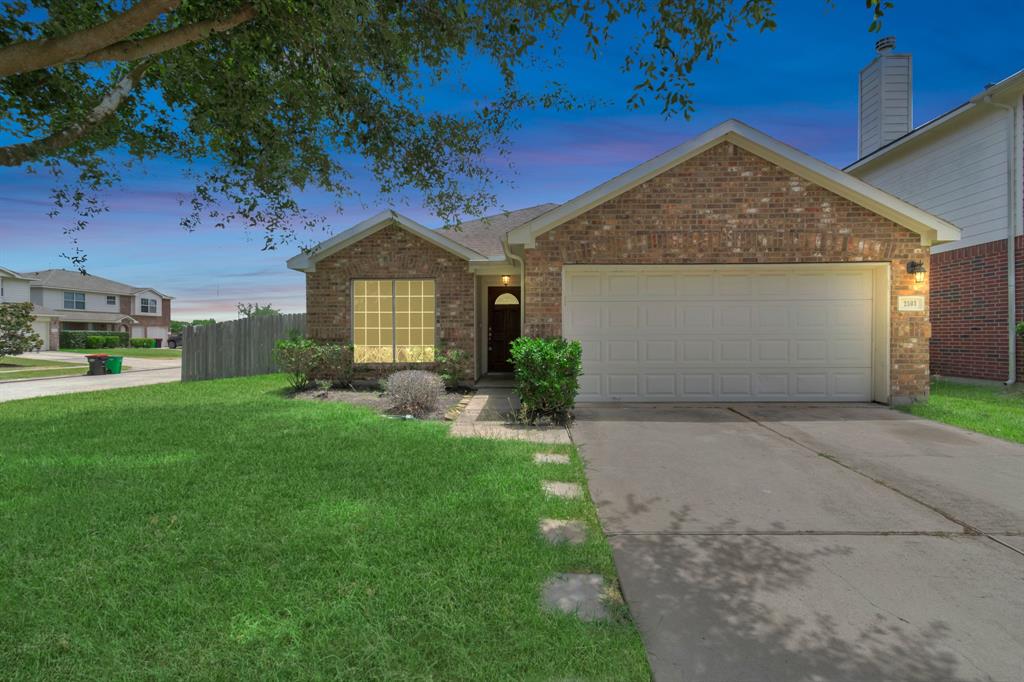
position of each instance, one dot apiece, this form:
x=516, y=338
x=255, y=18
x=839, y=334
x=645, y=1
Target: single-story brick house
x=730, y=268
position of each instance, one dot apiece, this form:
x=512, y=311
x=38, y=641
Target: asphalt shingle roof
x=484, y=235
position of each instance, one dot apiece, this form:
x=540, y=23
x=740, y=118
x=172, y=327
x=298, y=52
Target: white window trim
x=74, y=300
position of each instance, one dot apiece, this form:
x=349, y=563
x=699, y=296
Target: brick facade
x=727, y=205
x=126, y=304
x=969, y=311
x=392, y=252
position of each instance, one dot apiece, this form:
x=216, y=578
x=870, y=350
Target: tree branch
x=16, y=154
x=45, y=52
x=130, y=50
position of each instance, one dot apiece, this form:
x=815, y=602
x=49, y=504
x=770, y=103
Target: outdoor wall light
x=506, y=279
x=916, y=268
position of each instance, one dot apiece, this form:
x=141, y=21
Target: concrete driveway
x=790, y=542
x=143, y=372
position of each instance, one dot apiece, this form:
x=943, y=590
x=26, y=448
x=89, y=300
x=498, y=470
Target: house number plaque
x=910, y=304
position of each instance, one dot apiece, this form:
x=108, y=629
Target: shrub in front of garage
x=79, y=339
x=143, y=343
x=547, y=372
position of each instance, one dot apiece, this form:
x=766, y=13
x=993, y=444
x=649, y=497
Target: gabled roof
x=931, y=228
x=996, y=90
x=7, y=272
x=485, y=235
x=73, y=280
x=306, y=261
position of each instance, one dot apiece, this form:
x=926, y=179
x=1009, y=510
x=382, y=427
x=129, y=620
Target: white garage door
x=729, y=333
x=42, y=327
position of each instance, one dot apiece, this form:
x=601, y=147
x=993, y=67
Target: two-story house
x=965, y=166
x=65, y=300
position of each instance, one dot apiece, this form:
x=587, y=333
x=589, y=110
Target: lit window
x=74, y=300
x=148, y=305
x=506, y=299
x=394, y=320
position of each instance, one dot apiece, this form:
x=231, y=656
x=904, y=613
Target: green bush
x=1020, y=328
x=77, y=339
x=547, y=375
x=454, y=366
x=333, y=364
x=143, y=343
x=298, y=357
x=95, y=341
x=307, y=361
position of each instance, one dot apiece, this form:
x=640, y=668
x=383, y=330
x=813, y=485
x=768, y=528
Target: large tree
x=261, y=99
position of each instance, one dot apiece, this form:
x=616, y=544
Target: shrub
x=547, y=376
x=77, y=338
x=413, y=391
x=16, y=333
x=111, y=342
x=143, y=343
x=95, y=341
x=333, y=364
x=454, y=366
x=297, y=357
x=1020, y=328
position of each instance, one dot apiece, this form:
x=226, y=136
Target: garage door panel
x=718, y=335
x=659, y=350
x=623, y=351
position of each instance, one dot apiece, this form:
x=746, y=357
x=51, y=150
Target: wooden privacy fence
x=239, y=348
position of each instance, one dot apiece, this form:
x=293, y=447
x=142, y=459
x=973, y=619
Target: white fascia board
x=931, y=228
x=11, y=274
x=306, y=261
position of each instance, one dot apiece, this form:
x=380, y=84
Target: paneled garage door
x=729, y=333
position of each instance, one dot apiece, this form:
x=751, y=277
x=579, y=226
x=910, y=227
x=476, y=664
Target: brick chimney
x=886, y=101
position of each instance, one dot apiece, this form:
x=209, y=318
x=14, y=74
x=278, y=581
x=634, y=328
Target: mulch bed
x=448, y=407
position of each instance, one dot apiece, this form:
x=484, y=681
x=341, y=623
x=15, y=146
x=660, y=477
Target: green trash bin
x=114, y=364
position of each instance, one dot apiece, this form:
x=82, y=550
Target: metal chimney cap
x=886, y=45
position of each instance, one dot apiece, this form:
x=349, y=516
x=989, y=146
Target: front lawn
x=219, y=530
x=128, y=352
x=993, y=410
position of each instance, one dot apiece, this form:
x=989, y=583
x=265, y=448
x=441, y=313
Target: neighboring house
x=730, y=268
x=64, y=300
x=965, y=166
x=16, y=287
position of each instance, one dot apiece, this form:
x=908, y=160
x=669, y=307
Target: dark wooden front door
x=502, y=326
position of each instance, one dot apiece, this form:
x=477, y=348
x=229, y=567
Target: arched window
x=506, y=299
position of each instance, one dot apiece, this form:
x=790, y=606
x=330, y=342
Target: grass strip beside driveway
x=128, y=352
x=990, y=409
x=11, y=361
x=78, y=370
x=243, y=531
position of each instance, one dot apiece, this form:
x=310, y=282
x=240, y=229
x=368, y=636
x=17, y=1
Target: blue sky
x=797, y=84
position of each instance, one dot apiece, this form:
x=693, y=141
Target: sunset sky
x=797, y=84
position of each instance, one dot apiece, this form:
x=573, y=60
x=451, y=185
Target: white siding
x=958, y=174
x=54, y=299
x=885, y=102
x=14, y=290
x=152, y=295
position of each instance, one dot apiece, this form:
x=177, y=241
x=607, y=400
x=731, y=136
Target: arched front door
x=502, y=326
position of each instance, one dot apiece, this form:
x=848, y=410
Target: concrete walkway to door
x=801, y=542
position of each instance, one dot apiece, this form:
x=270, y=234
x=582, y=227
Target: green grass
x=993, y=410
x=21, y=361
x=43, y=373
x=128, y=352
x=241, y=533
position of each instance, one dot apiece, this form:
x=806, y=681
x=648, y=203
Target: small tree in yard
x=16, y=333
x=248, y=310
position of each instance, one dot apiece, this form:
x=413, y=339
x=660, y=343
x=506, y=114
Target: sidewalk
x=37, y=388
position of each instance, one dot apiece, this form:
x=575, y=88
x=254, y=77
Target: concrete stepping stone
x=569, y=491
x=557, y=531
x=550, y=458
x=578, y=593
